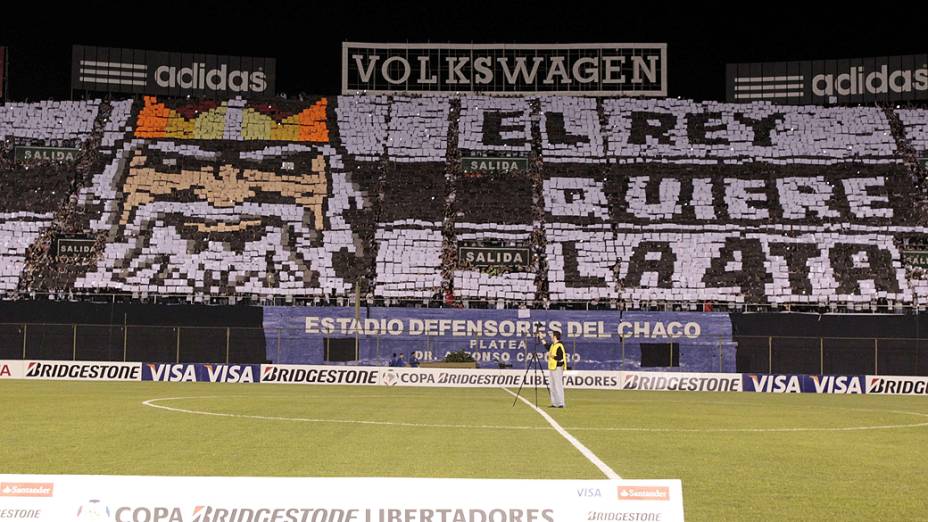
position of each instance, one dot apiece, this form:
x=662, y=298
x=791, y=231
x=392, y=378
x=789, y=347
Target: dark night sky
x=306, y=38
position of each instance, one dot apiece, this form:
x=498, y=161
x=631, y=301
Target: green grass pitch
x=740, y=456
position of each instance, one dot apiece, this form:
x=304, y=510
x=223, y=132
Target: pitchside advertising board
x=107, y=69
x=11, y=370
x=839, y=384
x=854, y=80
x=649, y=381
x=897, y=385
x=432, y=377
x=189, y=372
x=836, y=384
x=451, y=377
x=594, y=340
x=82, y=371
x=266, y=499
x=609, y=69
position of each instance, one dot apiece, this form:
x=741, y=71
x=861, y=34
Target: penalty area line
x=605, y=469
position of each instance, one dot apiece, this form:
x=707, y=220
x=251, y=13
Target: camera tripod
x=532, y=363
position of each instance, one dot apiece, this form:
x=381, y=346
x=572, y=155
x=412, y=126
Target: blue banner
x=594, y=340
x=852, y=384
x=206, y=372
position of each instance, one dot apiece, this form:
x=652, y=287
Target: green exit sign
x=915, y=258
x=46, y=154
x=493, y=164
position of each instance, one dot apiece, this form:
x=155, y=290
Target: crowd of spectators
x=54, y=186
x=409, y=204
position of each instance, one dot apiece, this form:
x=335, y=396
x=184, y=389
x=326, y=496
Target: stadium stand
x=33, y=190
x=916, y=127
x=494, y=209
x=632, y=202
x=48, y=121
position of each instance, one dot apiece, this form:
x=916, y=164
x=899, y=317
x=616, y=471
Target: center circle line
x=152, y=403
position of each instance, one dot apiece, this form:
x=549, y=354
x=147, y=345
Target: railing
x=833, y=355
x=874, y=307
x=130, y=343
x=748, y=354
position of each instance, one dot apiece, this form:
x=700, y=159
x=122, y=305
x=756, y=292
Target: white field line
x=607, y=471
x=152, y=403
x=756, y=430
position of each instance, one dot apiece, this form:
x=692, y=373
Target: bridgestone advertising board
x=82, y=371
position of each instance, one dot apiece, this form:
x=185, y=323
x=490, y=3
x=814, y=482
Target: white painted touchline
x=756, y=430
x=609, y=472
